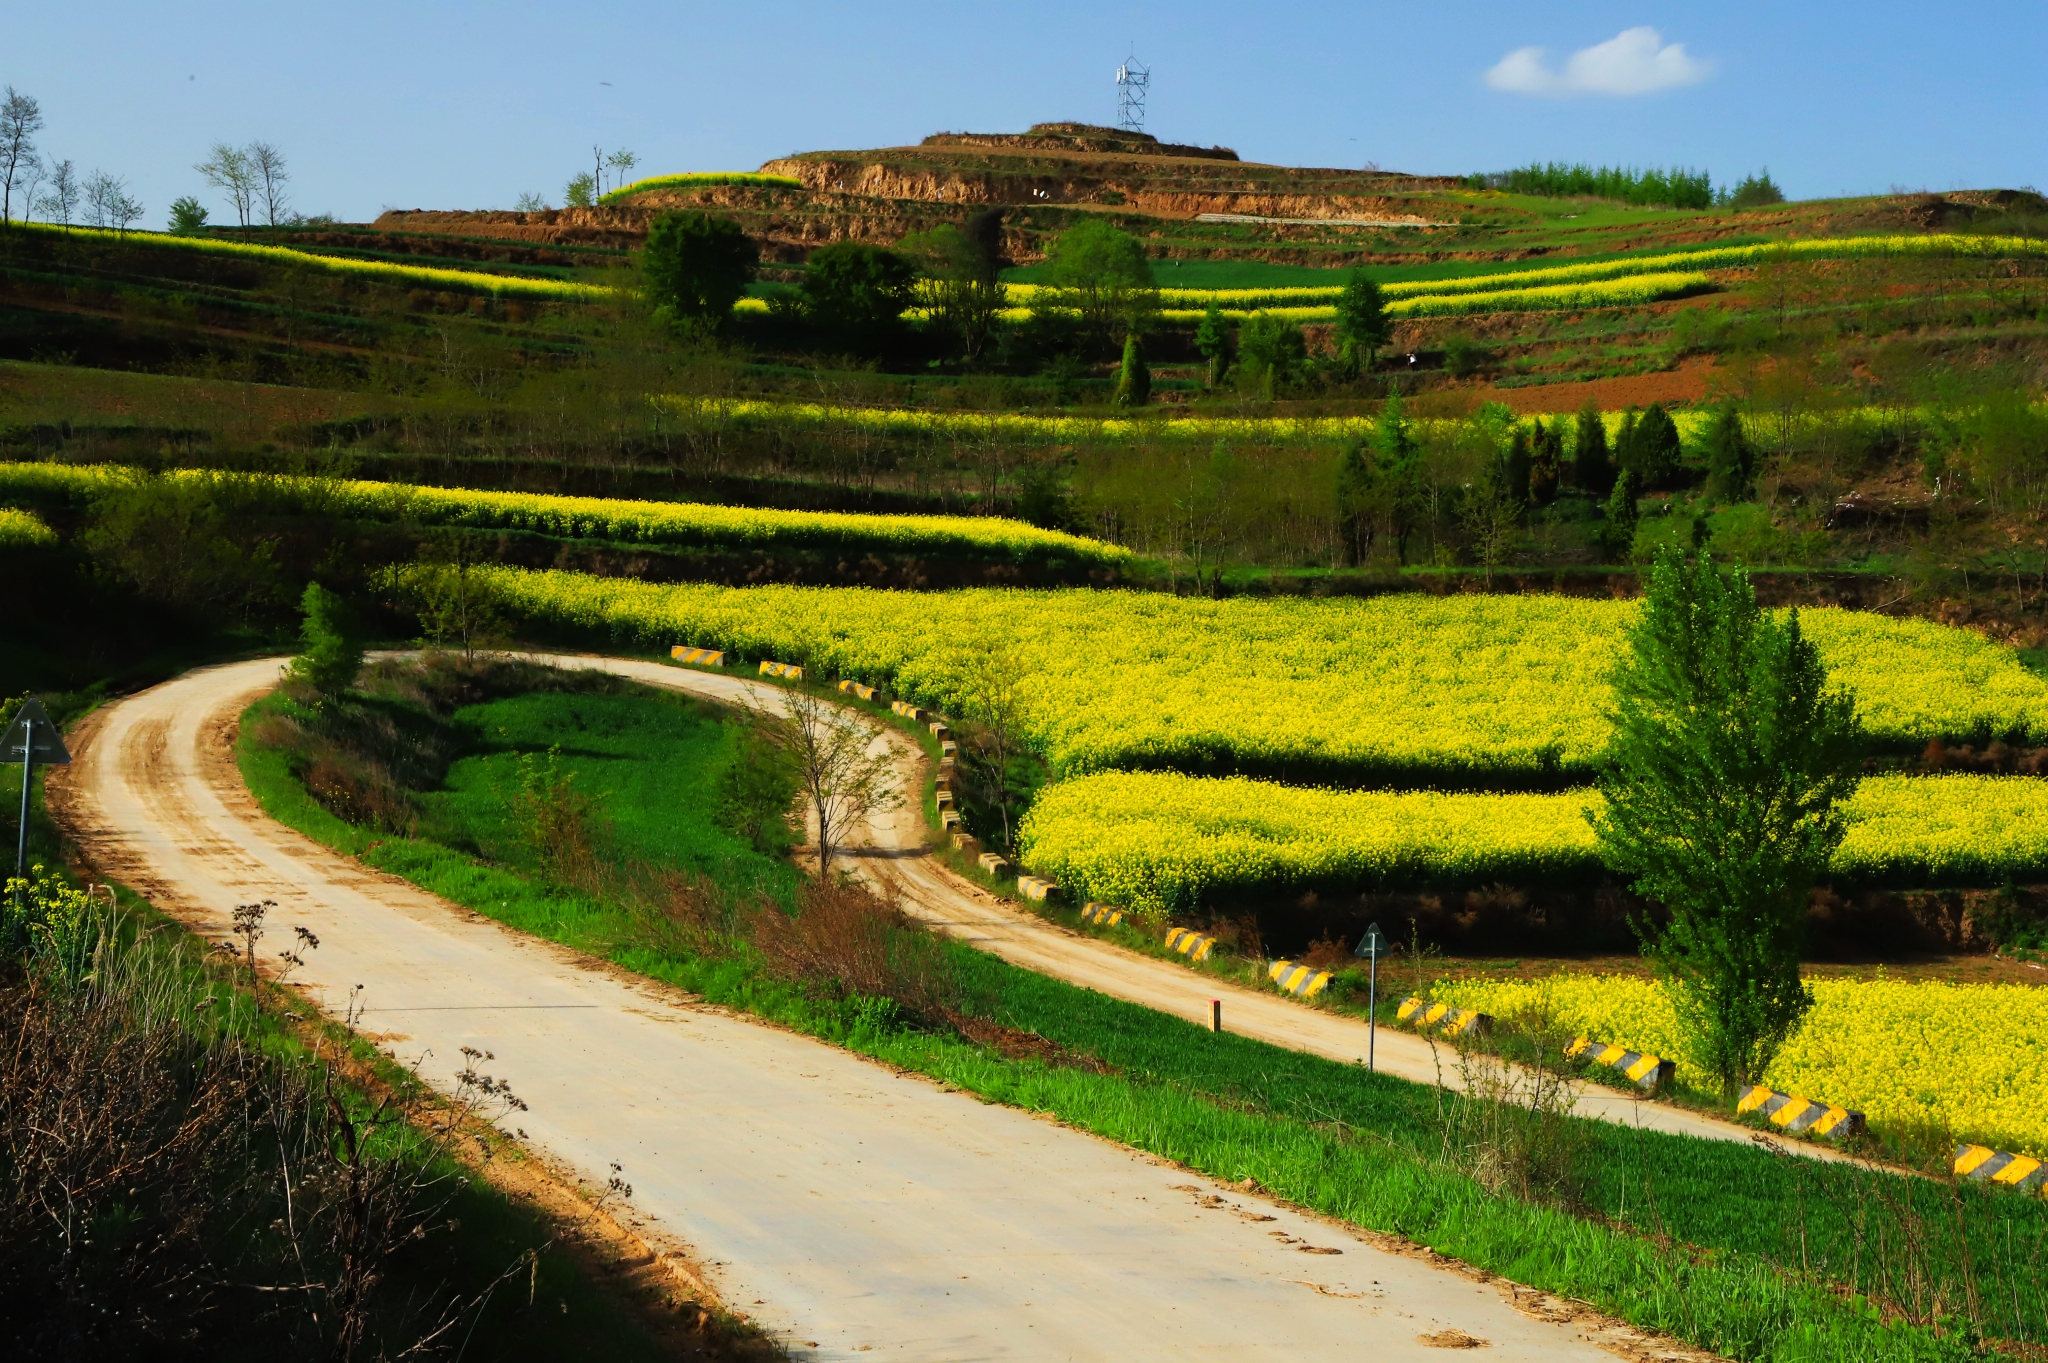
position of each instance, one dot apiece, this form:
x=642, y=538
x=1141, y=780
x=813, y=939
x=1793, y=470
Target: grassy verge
x=1731, y=1248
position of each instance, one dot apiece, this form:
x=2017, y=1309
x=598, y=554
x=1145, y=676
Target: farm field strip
x=21, y=529
x=426, y=276
x=1963, y=1060
x=1159, y=842
x=1486, y=691
x=683, y=524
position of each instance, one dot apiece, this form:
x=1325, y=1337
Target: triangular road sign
x=32, y=735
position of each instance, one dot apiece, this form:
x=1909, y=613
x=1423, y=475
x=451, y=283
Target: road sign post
x=1370, y=946
x=31, y=739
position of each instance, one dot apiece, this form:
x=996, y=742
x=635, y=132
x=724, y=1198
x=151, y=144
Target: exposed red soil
x=1687, y=383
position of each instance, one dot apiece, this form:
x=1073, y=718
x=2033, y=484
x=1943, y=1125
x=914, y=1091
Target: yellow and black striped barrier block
x=943, y=798
x=1648, y=1072
x=788, y=670
x=994, y=863
x=963, y=842
x=1037, y=887
x=1302, y=981
x=1190, y=943
x=1102, y=915
x=1798, y=1114
x=906, y=709
x=939, y=729
x=704, y=657
x=854, y=688
x=949, y=819
x=1421, y=1013
x=2002, y=1166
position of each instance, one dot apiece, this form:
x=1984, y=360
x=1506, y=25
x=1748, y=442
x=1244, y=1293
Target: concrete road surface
x=850, y=1210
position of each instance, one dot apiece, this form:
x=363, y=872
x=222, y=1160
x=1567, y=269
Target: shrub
x=332, y=642
x=1592, y=468
x=857, y=293
x=1463, y=356
x=1650, y=445
x=188, y=216
x=1618, y=533
x=1731, y=459
x=1755, y=191
x=1133, y=379
x=696, y=267
x=1272, y=352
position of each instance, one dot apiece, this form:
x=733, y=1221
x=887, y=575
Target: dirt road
x=849, y=1209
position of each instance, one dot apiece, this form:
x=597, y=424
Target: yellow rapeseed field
x=1162, y=841
x=424, y=276
x=21, y=529
x=1968, y=1060
x=681, y=524
x=1490, y=687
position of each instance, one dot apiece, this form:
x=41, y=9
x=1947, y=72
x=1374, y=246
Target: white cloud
x=1635, y=61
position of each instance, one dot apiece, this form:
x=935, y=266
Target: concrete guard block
x=703, y=657
x=1649, y=1072
x=994, y=863
x=2002, y=1167
x=1797, y=1114
x=1190, y=943
x=1302, y=981
x=1037, y=887
x=1102, y=915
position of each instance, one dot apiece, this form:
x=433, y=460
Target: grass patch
x=1729, y=1247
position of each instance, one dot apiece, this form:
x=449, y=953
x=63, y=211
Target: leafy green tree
x=1103, y=276
x=697, y=266
x=1546, y=448
x=1756, y=191
x=1379, y=486
x=1649, y=444
x=1272, y=352
x=1361, y=317
x=1592, y=466
x=188, y=216
x=1516, y=467
x=857, y=293
x=581, y=191
x=1213, y=340
x=1722, y=792
x=1133, y=379
x=1731, y=459
x=1618, y=532
x=961, y=271
x=331, y=643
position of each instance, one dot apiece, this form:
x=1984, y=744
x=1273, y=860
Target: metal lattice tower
x=1133, y=79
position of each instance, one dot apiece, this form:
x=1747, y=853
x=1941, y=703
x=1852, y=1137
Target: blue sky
x=442, y=105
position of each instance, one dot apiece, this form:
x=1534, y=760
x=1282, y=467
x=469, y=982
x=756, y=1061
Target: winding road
x=845, y=1207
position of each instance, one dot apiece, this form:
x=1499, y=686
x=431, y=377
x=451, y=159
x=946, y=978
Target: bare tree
x=228, y=169
x=108, y=202
x=21, y=118
x=995, y=700
x=843, y=772
x=622, y=163
x=267, y=168
x=62, y=201
x=33, y=173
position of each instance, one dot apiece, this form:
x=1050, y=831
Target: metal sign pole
x=28, y=766
x=31, y=736
x=1370, y=946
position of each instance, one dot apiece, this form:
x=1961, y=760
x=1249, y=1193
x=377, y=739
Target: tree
x=455, y=603
x=994, y=696
x=846, y=775
x=622, y=163
x=531, y=203
x=1731, y=459
x=1756, y=191
x=1133, y=379
x=1546, y=448
x=228, y=169
x=1722, y=790
x=1618, y=531
x=1102, y=274
x=1650, y=445
x=21, y=118
x=1361, y=315
x=1592, y=468
x=697, y=267
x=961, y=286
x=857, y=293
x=1271, y=352
x=188, y=216
x=1212, y=339
x=267, y=170
x=581, y=191
x=61, y=202
x=1490, y=514
x=331, y=642
x=108, y=202
x=1516, y=466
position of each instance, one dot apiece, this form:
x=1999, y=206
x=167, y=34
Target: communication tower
x=1133, y=79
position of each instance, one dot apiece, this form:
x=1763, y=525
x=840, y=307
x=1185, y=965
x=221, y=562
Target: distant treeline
x=1673, y=188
